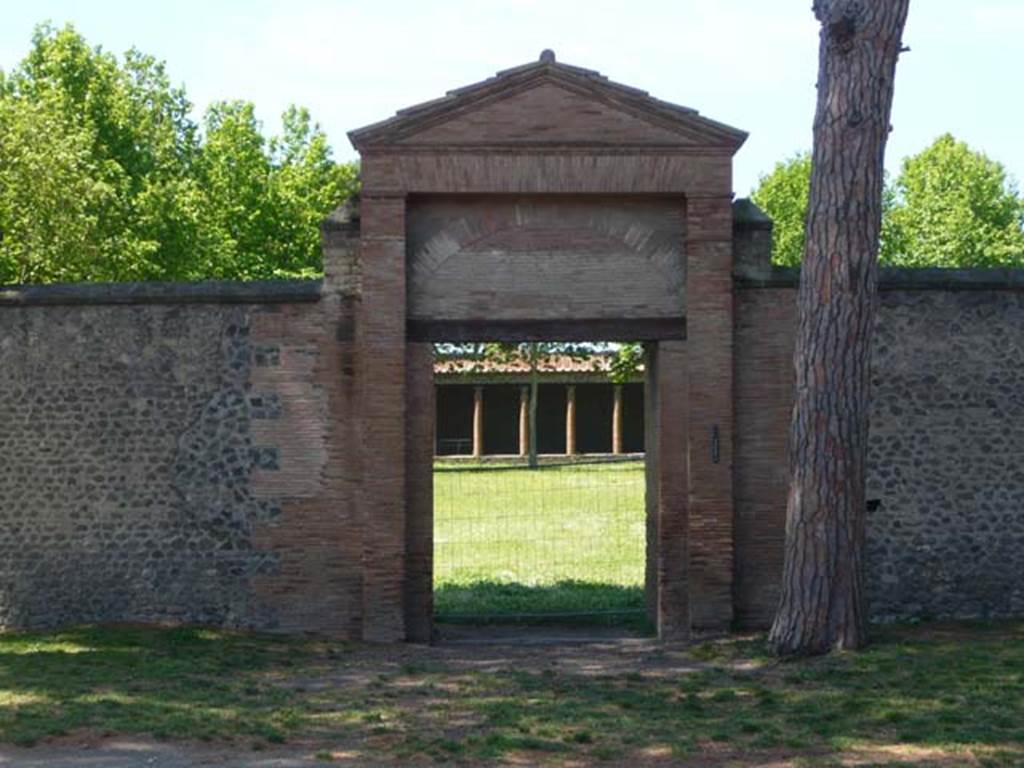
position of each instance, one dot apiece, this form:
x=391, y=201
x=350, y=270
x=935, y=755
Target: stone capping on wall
x=746, y=215
x=903, y=279
x=206, y=292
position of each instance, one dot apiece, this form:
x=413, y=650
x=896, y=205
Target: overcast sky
x=748, y=63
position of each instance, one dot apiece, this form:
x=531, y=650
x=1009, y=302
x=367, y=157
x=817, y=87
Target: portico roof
x=546, y=102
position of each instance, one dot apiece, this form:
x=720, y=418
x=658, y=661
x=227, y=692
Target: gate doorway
x=556, y=537
x=564, y=541
x=546, y=202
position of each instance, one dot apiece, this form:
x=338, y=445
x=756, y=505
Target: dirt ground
x=141, y=753
x=587, y=651
x=576, y=651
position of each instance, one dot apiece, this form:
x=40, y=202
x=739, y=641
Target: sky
x=748, y=63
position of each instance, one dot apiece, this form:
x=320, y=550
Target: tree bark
x=823, y=606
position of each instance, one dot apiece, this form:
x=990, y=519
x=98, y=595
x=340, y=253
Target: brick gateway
x=260, y=455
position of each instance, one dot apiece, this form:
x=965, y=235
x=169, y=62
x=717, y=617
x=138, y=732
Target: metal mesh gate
x=564, y=540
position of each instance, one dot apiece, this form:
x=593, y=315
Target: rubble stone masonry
x=945, y=526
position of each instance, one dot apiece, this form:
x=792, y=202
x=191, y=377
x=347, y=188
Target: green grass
x=478, y=600
x=954, y=693
x=559, y=539
x=174, y=683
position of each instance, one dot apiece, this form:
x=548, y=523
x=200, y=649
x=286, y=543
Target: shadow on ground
x=939, y=695
x=485, y=600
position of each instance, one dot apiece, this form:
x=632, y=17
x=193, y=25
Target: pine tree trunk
x=823, y=605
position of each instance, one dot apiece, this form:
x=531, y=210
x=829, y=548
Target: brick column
x=478, y=422
x=419, y=520
x=380, y=352
x=570, y=420
x=524, y=421
x=616, y=419
x=652, y=478
x=709, y=312
x=668, y=437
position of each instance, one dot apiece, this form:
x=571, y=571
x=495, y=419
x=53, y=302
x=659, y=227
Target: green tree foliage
x=52, y=198
x=783, y=194
x=306, y=185
x=950, y=206
x=955, y=207
x=105, y=176
x=267, y=198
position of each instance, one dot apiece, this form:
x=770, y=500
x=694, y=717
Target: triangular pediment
x=546, y=113
x=548, y=104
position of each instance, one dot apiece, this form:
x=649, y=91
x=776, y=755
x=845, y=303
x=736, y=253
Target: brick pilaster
x=709, y=312
x=380, y=357
x=419, y=483
x=669, y=432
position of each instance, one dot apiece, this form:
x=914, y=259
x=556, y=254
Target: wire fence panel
x=562, y=539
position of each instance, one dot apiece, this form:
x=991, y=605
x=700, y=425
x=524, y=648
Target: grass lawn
x=933, y=695
x=558, y=539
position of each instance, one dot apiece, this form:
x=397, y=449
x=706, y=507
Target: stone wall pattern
x=126, y=465
x=946, y=456
x=201, y=462
x=185, y=461
x=946, y=538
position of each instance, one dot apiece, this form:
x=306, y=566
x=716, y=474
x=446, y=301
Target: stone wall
x=945, y=450
x=126, y=465
x=203, y=454
x=946, y=454
x=179, y=453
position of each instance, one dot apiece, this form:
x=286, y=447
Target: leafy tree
x=782, y=194
x=627, y=361
x=955, y=207
x=105, y=176
x=306, y=185
x=139, y=143
x=267, y=198
x=234, y=171
x=51, y=197
x=950, y=206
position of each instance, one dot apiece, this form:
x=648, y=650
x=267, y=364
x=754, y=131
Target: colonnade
x=524, y=420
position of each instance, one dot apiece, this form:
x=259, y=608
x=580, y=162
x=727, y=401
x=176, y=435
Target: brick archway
x=548, y=202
